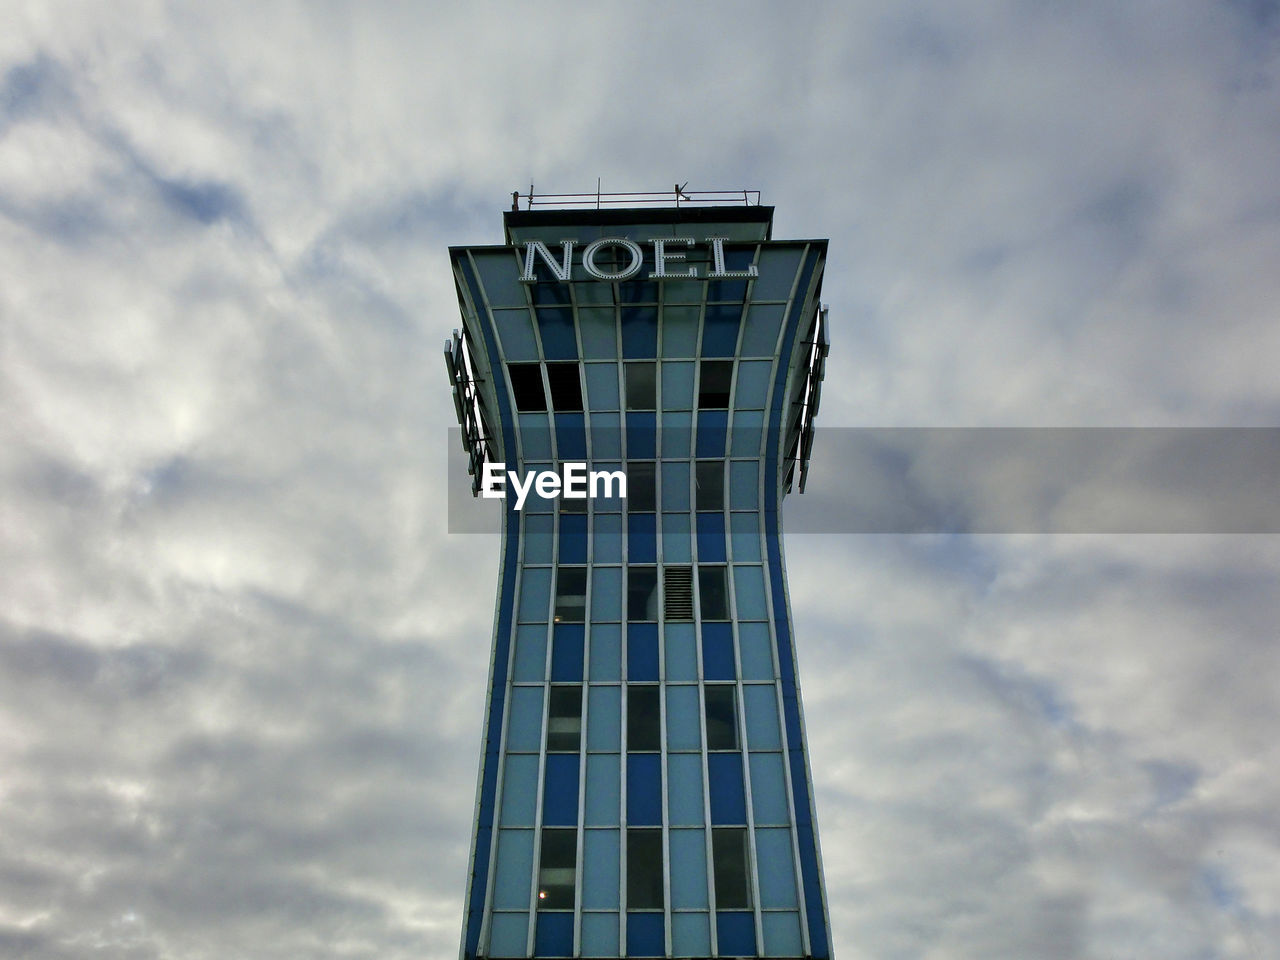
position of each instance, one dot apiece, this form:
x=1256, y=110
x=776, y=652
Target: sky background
x=243, y=666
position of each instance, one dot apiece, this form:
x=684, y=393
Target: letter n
x=561, y=271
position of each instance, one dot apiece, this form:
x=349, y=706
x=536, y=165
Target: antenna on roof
x=680, y=194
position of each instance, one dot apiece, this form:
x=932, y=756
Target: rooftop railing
x=678, y=196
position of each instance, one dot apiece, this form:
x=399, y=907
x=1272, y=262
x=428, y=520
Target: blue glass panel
x=535, y=440
x=681, y=652
x=677, y=434
x=573, y=538
x=717, y=652
x=554, y=935
x=642, y=435
x=571, y=436
x=646, y=935
x=555, y=326
x=720, y=330
x=500, y=272
x=782, y=934
x=550, y=294
x=600, y=871
x=736, y=933
x=642, y=652
x=688, y=869
x=519, y=789
x=524, y=729
x=677, y=539
x=600, y=935
x=691, y=935
x=533, y=502
x=776, y=868
x=677, y=385
x=560, y=790
x=599, y=332
x=567, y=647
x=680, y=329
x=604, y=796
x=711, y=544
x=606, y=591
x=768, y=788
x=728, y=800
x=760, y=338
x=748, y=584
x=684, y=785
x=744, y=485
x=606, y=649
x=531, y=653
x=744, y=532
x=684, y=720
x=755, y=646
x=604, y=718
x=642, y=537
x=760, y=703
x=602, y=386
x=644, y=789
x=748, y=432
x=513, y=875
x=639, y=333
x=606, y=436
x=753, y=384
x=537, y=538
x=777, y=266
x=516, y=333
x=508, y=934
x=675, y=486
x=608, y=535
x=711, y=433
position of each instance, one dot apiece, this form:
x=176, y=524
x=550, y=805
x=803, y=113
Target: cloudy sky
x=242, y=665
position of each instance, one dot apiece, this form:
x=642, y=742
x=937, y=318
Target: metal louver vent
x=677, y=584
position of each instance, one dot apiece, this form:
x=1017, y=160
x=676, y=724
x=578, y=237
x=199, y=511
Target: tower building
x=644, y=788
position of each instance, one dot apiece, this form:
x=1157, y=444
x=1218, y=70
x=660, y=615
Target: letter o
x=589, y=258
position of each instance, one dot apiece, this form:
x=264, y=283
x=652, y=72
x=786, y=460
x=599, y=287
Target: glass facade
x=644, y=789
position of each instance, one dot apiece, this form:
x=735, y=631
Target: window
x=713, y=594
x=715, y=379
x=710, y=482
x=526, y=384
x=641, y=381
x=556, y=869
x=642, y=593
x=566, y=387
x=722, y=717
x=729, y=856
x=644, y=870
x=564, y=719
x=640, y=486
x=571, y=595
x=677, y=593
x=643, y=718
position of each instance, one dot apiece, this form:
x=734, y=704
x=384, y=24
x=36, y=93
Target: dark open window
x=710, y=484
x=556, y=869
x=644, y=870
x=714, y=380
x=713, y=593
x=643, y=718
x=566, y=387
x=722, y=718
x=564, y=719
x=641, y=386
x=642, y=593
x=526, y=384
x=641, y=492
x=729, y=856
x=571, y=595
